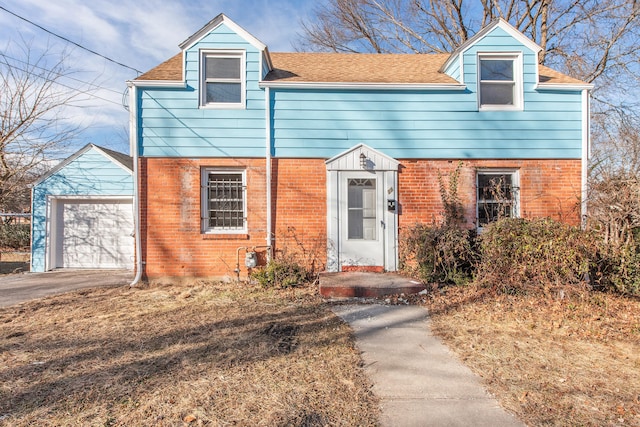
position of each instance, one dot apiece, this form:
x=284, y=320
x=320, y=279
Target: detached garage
x=83, y=213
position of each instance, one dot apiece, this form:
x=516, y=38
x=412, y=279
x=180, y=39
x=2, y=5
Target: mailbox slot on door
x=391, y=205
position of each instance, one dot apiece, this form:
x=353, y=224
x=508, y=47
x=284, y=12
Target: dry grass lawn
x=203, y=354
x=551, y=361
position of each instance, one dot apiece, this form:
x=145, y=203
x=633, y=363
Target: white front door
x=361, y=219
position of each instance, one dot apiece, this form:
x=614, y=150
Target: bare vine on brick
x=441, y=252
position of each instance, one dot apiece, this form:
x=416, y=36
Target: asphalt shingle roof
x=124, y=159
x=350, y=68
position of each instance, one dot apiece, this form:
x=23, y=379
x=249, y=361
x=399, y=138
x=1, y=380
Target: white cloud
x=140, y=34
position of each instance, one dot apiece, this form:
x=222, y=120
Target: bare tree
x=585, y=38
x=614, y=197
x=34, y=125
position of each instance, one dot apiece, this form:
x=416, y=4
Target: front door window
x=361, y=207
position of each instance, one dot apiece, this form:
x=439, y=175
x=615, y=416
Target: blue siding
x=322, y=123
x=314, y=123
x=90, y=174
x=427, y=124
x=265, y=69
x=453, y=70
x=174, y=125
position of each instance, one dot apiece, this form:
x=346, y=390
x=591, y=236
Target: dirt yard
x=571, y=361
x=202, y=354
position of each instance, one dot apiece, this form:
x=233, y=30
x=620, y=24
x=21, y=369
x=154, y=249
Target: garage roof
x=121, y=159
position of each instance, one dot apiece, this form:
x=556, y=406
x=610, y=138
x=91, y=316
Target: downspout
x=586, y=116
x=133, y=147
x=31, y=231
x=267, y=110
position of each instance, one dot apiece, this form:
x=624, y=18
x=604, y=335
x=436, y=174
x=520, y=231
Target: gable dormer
x=192, y=103
x=499, y=64
x=223, y=63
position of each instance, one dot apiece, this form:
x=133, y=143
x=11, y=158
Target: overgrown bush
x=15, y=236
x=439, y=253
x=443, y=252
x=281, y=273
x=619, y=268
x=540, y=254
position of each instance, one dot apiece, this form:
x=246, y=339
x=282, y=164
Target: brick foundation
x=173, y=244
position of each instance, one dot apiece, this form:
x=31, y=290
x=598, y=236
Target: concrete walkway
x=420, y=382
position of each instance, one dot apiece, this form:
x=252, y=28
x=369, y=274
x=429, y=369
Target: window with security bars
x=497, y=196
x=224, y=200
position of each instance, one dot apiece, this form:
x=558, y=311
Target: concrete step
x=366, y=285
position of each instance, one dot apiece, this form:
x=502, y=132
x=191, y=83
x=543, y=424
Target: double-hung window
x=223, y=82
x=223, y=201
x=499, y=82
x=497, y=195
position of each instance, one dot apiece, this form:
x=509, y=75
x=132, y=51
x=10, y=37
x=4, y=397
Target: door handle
x=382, y=224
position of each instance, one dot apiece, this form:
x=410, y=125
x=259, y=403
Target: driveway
x=17, y=288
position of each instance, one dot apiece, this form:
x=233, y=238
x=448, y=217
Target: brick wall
x=174, y=245
x=299, y=188
x=172, y=239
x=548, y=188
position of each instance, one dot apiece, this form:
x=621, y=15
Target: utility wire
x=70, y=41
x=75, y=89
x=94, y=85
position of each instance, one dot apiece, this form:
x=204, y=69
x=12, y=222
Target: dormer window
x=223, y=83
x=500, y=82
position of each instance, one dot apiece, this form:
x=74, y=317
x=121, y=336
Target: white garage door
x=94, y=234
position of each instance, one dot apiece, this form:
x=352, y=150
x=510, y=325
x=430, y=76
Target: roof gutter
x=133, y=147
x=361, y=85
x=563, y=86
x=179, y=84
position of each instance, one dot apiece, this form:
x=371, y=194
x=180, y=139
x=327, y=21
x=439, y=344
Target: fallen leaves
x=197, y=354
x=577, y=366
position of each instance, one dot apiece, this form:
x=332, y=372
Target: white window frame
x=518, y=102
x=239, y=54
x=515, y=191
x=204, y=180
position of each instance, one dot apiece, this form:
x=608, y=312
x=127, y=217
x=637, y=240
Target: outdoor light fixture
x=363, y=161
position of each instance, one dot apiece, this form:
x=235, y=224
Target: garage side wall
x=91, y=174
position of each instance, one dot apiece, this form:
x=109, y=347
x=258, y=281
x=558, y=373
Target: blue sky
x=140, y=34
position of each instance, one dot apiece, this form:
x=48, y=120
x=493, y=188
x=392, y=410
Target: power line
x=70, y=41
x=75, y=89
x=64, y=76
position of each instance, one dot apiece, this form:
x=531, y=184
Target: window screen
x=497, y=82
x=223, y=79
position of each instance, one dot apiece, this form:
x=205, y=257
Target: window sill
x=223, y=106
x=225, y=236
x=500, y=108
